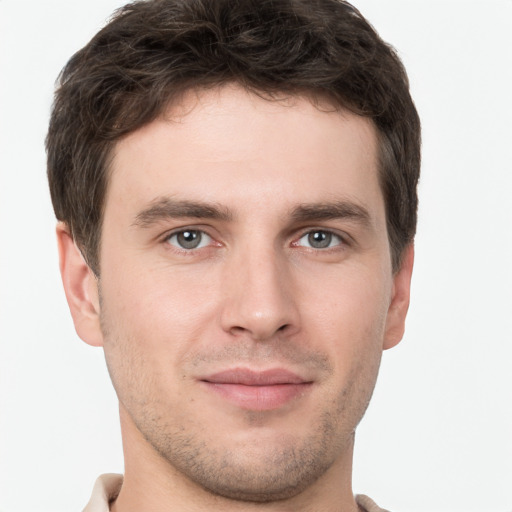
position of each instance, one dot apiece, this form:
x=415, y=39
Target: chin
x=273, y=481
x=255, y=470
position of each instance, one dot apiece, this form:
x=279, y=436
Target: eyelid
x=345, y=239
x=200, y=229
x=187, y=227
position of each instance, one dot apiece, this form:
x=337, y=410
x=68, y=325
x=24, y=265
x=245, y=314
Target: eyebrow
x=331, y=210
x=167, y=208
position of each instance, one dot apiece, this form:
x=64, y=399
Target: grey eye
x=320, y=239
x=189, y=239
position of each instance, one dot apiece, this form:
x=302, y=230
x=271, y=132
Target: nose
x=259, y=300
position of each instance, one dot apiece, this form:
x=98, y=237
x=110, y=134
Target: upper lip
x=247, y=377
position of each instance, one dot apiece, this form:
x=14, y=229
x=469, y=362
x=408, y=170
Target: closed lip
x=248, y=377
x=258, y=390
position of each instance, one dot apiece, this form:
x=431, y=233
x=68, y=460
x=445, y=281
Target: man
x=235, y=184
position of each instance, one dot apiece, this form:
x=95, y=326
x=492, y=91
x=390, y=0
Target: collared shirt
x=107, y=488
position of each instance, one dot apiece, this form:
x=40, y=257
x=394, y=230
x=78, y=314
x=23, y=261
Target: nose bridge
x=259, y=297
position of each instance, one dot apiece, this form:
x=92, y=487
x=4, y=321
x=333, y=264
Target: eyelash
x=202, y=233
x=342, y=240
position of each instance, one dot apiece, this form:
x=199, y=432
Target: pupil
x=319, y=239
x=189, y=239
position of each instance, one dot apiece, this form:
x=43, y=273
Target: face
x=246, y=290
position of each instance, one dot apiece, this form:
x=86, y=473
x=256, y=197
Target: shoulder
x=367, y=504
x=105, y=490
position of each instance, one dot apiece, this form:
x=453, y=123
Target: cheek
x=353, y=302
x=148, y=325
x=159, y=310
x=347, y=318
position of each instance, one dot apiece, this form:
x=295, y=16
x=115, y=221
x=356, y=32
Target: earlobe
x=397, y=312
x=80, y=287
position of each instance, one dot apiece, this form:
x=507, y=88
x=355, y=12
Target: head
x=151, y=53
x=240, y=179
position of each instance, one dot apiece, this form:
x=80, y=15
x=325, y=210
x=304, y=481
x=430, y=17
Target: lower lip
x=259, y=398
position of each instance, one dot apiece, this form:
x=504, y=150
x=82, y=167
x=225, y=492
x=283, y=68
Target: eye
x=189, y=239
x=319, y=239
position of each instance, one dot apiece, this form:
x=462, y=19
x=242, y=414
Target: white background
x=438, y=435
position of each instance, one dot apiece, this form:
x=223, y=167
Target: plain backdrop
x=438, y=434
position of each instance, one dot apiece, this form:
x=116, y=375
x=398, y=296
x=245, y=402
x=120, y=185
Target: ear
x=80, y=287
x=395, y=323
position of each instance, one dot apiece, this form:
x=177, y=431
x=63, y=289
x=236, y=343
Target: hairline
x=317, y=98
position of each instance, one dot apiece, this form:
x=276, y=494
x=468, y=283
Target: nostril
x=237, y=330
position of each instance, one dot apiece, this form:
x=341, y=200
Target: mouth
x=258, y=390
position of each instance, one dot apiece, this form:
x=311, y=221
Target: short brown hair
x=152, y=51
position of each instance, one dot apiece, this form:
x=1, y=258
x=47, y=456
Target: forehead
x=230, y=146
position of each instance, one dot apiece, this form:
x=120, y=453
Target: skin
x=258, y=180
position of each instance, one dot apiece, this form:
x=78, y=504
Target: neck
x=151, y=483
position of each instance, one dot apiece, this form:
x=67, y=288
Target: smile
x=257, y=390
